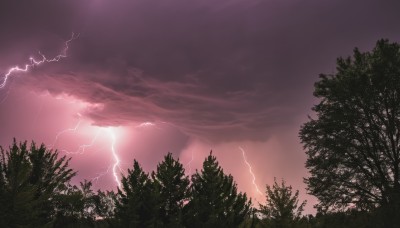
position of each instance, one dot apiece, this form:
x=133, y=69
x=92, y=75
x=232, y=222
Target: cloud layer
x=223, y=70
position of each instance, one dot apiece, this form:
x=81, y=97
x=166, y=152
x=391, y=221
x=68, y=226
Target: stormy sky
x=145, y=77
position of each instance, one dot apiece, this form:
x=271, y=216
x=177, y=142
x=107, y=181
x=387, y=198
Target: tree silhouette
x=31, y=178
x=75, y=206
x=281, y=208
x=353, y=144
x=172, y=184
x=136, y=201
x=105, y=205
x=214, y=200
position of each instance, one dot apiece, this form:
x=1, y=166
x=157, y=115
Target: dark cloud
x=221, y=70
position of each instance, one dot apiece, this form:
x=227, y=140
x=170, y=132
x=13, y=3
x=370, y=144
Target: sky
x=135, y=79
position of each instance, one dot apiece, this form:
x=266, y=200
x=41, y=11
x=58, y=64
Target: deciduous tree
x=353, y=143
x=282, y=208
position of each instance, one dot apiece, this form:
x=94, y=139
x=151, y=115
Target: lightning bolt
x=116, y=165
x=116, y=158
x=99, y=175
x=189, y=164
x=117, y=161
x=33, y=62
x=65, y=131
x=63, y=54
x=250, y=170
x=82, y=148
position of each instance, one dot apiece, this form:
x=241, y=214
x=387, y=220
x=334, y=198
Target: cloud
x=223, y=70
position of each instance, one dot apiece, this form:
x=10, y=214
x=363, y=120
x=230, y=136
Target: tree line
x=353, y=156
x=35, y=191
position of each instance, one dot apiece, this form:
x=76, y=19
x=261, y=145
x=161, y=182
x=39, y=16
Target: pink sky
x=149, y=77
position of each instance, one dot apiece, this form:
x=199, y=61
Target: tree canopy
x=214, y=199
x=137, y=200
x=353, y=143
x=173, y=187
x=282, y=208
x=36, y=191
x=30, y=177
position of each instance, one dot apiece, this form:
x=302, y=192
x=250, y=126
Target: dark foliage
x=136, y=204
x=214, y=200
x=105, y=205
x=353, y=145
x=75, y=204
x=30, y=179
x=172, y=186
x=281, y=208
x=166, y=199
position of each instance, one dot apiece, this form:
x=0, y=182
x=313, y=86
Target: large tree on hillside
x=137, y=200
x=172, y=184
x=30, y=178
x=353, y=143
x=214, y=200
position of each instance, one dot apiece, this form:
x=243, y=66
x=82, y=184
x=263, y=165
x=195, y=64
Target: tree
x=30, y=179
x=214, y=200
x=75, y=206
x=3, y=199
x=345, y=219
x=281, y=209
x=49, y=175
x=353, y=144
x=172, y=185
x=136, y=202
x=105, y=205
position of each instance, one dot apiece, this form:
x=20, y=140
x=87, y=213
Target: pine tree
x=136, y=202
x=3, y=200
x=172, y=185
x=49, y=174
x=214, y=200
x=31, y=178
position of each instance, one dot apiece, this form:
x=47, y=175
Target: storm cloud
x=223, y=70
x=208, y=74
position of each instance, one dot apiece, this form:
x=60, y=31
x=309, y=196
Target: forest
x=352, y=145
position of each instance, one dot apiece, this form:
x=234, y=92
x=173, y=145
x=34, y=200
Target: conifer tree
x=136, y=201
x=214, y=200
x=172, y=185
x=30, y=179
